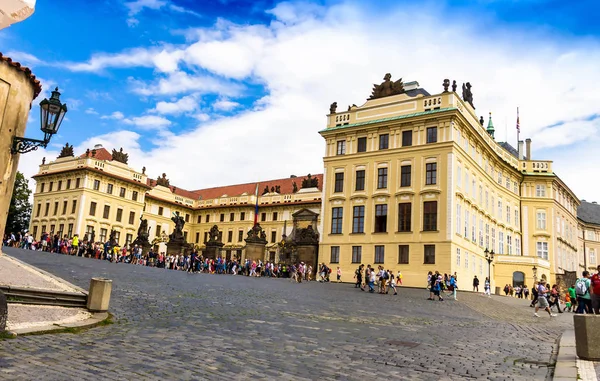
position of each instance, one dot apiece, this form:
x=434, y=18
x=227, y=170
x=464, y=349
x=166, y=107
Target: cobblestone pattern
x=174, y=325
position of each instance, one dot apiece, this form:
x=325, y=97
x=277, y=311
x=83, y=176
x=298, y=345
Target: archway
x=518, y=279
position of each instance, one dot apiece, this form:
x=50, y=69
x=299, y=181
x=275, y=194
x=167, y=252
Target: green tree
x=19, y=211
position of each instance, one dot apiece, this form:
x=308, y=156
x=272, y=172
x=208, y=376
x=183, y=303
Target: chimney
x=520, y=149
x=528, y=148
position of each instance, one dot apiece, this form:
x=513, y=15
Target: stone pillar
x=18, y=88
x=308, y=255
x=255, y=251
x=99, y=294
x=587, y=336
x=212, y=250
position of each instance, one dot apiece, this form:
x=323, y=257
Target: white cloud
x=117, y=115
x=139, y=57
x=148, y=122
x=225, y=105
x=25, y=59
x=138, y=6
x=91, y=111
x=308, y=58
x=186, y=104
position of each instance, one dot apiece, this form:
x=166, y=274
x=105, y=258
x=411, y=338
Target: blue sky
x=237, y=90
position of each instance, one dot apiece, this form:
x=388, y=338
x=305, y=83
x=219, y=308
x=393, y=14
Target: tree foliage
x=19, y=211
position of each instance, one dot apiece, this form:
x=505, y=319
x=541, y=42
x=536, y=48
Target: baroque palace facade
x=412, y=181
x=98, y=192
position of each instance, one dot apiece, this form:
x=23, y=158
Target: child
x=393, y=283
x=339, y=274
x=568, y=302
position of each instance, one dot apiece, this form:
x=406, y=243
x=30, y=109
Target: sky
x=219, y=92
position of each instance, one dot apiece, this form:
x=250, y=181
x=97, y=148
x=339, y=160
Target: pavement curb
x=92, y=322
x=568, y=366
x=60, y=280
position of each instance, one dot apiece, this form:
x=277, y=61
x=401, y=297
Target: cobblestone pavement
x=173, y=325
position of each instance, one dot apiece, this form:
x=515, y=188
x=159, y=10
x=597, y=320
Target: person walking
x=475, y=284
x=534, y=292
x=392, y=283
x=582, y=289
x=555, y=298
x=339, y=274
x=542, y=301
x=595, y=295
x=486, y=287
x=358, y=277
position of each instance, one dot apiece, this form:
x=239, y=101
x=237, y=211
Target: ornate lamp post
x=489, y=257
x=534, y=274
x=52, y=113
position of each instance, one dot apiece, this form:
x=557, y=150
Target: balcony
x=536, y=166
x=522, y=260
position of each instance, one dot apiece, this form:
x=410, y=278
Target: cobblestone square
x=175, y=325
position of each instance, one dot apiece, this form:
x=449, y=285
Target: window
x=207, y=218
x=360, y=180
x=77, y=182
x=542, y=250
x=341, y=147
x=381, y=218
x=508, y=214
x=231, y=216
x=379, y=254
x=131, y=218
x=403, y=254
x=96, y=184
x=64, y=210
x=160, y=210
x=473, y=227
x=35, y=231
x=339, y=182
x=117, y=236
x=481, y=232
x=432, y=135
x=541, y=220
x=275, y=215
x=240, y=235
x=540, y=190
x=458, y=218
x=335, y=254
x=103, y=235
x=106, y=213
x=230, y=236
x=382, y=178
x=70, y=230
x=50, y=187
x=457, y=257
x=158, y=230
x=499, y=177
x=134, y=195
x=43, y=229
x=405, y=175
x=109, y=188
x=74, y=207
x=38, y=210
x=336, y=220
x=430, y=215
x=517, y=246
x=52, y=229
x=263, y=217
x=42, y=189
x=122, y=192
x=222, y=217
x=273, y=236
x=185, y=234
x=356, y=254
x=430, y=173
x=59, y=185
x=242, y=216
x=508, y=245
x=128, y=238
x=384, y=141
x=55, y=208
x=119, y=214
x=205, y=237
x=459, y=176
x=358, y=219
x=500, y=242
x=487, y=236
x=361, y=145
x=407, y=138
x=592, y=256
x=404, y=216
x=429, y=251
x=499, y=209
x=493, y=247
x=517, y=222
x=187, y=217
x=92, y=208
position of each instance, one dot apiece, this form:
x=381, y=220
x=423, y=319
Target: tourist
x=475, y=284
x=595, y=295
x=582, y=289
x=392, y=283
x=399, y=277
x=542, y=301
x=506, y=289
x=554, y=299
x=486, y=287
x=339, y=274
x=534, y=292
x=358, y=277
x=453, y=287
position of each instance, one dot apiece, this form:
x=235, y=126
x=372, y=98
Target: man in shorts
x=543, y=300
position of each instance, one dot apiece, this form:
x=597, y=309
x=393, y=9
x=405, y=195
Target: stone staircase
x=43, y=297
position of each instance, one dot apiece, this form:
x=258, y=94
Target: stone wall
x=18, y=88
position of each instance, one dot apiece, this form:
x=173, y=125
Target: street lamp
x=52, y=113
x=534, y=274
x=489, y=257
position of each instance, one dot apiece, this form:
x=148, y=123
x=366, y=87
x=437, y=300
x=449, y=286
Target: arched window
x=518, y=278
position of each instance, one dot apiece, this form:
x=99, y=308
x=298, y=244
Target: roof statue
x=294, y=187
x=387, y=87
x=446, y=84
x=467, y=94
x=66, y=151
x=332, y=108
x=454, y=85
x=310, y=182
x=120, y=156
x=162, y=180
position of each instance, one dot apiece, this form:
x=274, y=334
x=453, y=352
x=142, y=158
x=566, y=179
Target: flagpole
x=518, y=127
x=256, y=206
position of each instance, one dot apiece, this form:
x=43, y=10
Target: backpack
x=386, y=276
x=581, y=287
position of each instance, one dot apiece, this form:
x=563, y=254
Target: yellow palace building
x=416, y=182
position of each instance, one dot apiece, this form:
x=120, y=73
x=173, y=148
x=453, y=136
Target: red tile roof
x=285, y=185
x=37, y=86
x=174, y=189
x=101, y=154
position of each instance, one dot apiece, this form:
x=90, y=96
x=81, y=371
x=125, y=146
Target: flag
x=518, y=124
x=256, y=206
